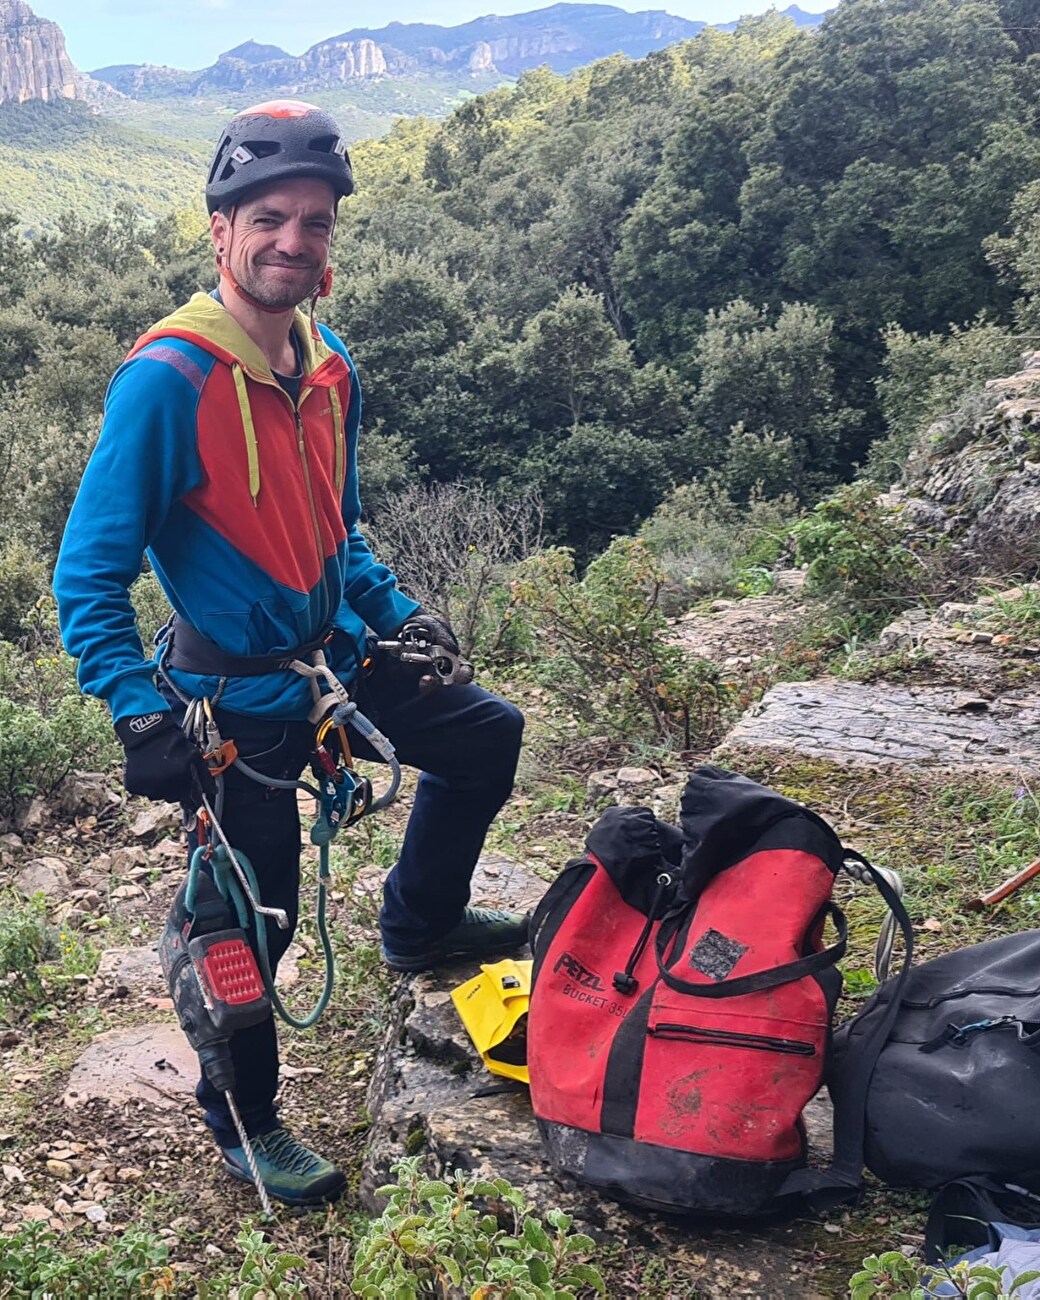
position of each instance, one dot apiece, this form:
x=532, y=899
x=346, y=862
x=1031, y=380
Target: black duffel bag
x=956, y=1088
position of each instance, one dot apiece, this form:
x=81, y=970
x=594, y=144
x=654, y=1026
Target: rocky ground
x=921, y=751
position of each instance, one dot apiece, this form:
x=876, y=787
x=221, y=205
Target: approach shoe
x=482, y=932
x=290, y=1171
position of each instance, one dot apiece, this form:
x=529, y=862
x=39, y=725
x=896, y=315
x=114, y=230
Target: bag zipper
x=732, y=1038
x=957, y=994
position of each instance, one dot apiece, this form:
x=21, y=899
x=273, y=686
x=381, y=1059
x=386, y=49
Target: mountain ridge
x=563, y=36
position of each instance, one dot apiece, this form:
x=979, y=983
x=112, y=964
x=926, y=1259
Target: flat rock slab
x=431, y=1094
x=150, y=1062
x=877, y=723
x=734, y=633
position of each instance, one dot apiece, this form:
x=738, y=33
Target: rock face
x=329, y=63
x=982, y=486
x=33, y=60
x=562, y=37
x=852, y=722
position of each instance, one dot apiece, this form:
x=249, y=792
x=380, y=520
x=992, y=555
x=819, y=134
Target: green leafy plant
x=469, y=1237
x=857, y=550
x=606, y=649
x=36, y=1264
x=25, y=943
x=266, y=1269
x=909, y=1278
x=706, y=541
x=37, y=962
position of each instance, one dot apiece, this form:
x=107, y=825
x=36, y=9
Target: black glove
x=161, y=762
x=438, y=632
x=437, y=629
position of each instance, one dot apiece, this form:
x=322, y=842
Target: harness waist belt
x=187, y=649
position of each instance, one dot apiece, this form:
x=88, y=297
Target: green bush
x=26, y=942
x=23, y=579
x=706, y=542
x=930, y=377
x=857, y=552
x=605, y=649
x=47, y=729
x=893, y=1274
x=151, y=607
x=35, y=1264
x=472, y=1238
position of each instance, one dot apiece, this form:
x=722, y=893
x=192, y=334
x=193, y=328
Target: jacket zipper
x=731, y=1038
x=302, y=449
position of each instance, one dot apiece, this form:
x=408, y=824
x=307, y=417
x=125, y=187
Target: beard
x=280, y=286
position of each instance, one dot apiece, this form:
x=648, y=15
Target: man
x=228, y=454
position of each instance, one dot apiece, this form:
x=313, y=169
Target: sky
x=191, y=33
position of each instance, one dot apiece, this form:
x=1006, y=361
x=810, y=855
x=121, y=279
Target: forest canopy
x=730, y=263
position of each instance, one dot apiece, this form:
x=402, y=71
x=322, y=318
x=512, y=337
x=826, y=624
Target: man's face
x=279, y=246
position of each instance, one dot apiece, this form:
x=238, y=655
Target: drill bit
x=247, y=1147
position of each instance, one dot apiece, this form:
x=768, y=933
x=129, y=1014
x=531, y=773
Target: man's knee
x=508, y=728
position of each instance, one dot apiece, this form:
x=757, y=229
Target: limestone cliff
x=977, y=481
x=326, y=64
x=33, y=60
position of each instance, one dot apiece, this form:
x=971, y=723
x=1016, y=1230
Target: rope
x=222, y=867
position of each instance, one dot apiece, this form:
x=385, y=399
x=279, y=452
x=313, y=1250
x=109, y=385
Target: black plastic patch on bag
x=715, y=956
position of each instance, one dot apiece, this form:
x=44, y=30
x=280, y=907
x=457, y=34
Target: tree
x=775, y=382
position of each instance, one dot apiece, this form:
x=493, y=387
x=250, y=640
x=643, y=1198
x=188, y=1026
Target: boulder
x=47, y=876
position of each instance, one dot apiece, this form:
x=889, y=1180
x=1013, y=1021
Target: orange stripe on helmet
x=280, y=108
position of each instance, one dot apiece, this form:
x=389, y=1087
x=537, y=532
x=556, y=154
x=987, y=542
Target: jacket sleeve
x=369, y=588
x=144, y=461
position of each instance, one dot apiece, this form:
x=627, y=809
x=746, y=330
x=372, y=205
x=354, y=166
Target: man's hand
x=436, y=631
x=161, y=762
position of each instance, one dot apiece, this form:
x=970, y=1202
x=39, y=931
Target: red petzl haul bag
x=681, y=1003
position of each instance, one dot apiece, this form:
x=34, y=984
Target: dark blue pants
x=464, y=740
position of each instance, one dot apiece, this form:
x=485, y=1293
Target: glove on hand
x=436, y=628
x=438, y=631
x=161, y=762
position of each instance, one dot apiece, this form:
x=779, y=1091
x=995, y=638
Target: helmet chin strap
x=322, y=289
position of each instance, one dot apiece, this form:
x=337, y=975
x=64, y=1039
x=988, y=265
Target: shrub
x=23, y=579
x=857, y=551
x=47, y=728
x=151, y=607
x=705, y=541
x=25, y=943
x=893, y=1274
x=451, y=544
x=925, y=377
x=469, y=1237
x=132, y=1264
x=605, y=647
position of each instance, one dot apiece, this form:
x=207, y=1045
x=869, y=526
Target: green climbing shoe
x=290, y=1171
x=482, y=932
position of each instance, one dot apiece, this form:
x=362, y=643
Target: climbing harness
x=217, y=983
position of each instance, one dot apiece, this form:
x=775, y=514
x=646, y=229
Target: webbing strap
x=756, y=981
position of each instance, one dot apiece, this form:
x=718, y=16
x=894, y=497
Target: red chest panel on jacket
x=296, y=521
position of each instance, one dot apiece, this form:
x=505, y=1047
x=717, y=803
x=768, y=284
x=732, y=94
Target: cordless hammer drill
x=216, y=988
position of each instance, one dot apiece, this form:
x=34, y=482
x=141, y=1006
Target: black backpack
x=955, y=1089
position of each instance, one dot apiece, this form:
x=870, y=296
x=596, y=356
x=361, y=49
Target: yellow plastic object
x=493, y=1007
